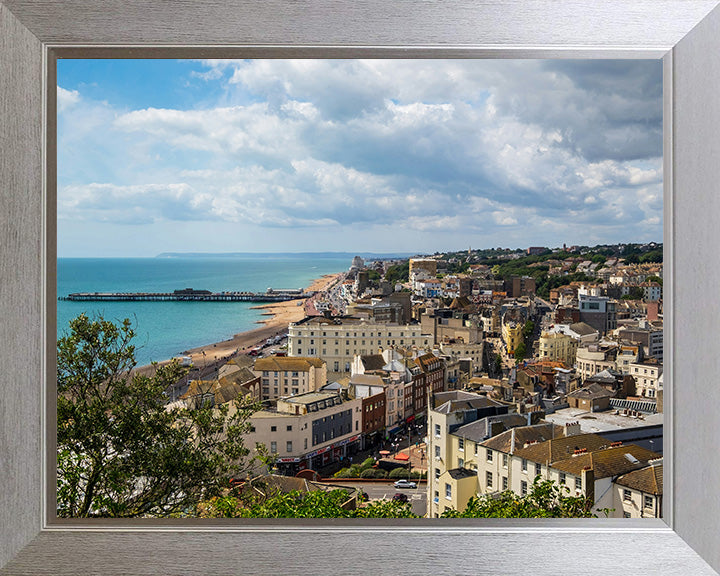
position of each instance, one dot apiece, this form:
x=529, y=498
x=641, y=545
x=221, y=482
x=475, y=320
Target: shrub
x=398, y=473
x=380, y=473
x=369, y=473
x=342, y=473
x=368, y=463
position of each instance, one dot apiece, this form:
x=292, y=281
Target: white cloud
x=427, y=146
x=66, y=99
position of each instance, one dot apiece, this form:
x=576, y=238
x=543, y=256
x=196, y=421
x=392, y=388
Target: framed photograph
x=681, y=33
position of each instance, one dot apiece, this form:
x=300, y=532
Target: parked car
x=405, y=484
x=401, y=497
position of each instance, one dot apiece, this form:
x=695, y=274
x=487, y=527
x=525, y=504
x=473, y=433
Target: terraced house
x=284, y=376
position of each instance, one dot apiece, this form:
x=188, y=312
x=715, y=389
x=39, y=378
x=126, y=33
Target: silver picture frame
x=683, y=33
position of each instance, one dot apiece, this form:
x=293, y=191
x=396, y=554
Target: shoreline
x=279, y=316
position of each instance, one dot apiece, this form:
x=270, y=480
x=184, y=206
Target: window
x=562, y=478
x=538, y=469
x=289, y=428
x=524, y=465
x=523, y=488
x=461, y=444
x=273, y=428
x=505, y=460
x=504, y=483
x=489, y=455
x=489, y=479
x=461, y=463
x=305, y=444
x=437, y=430
x=437, y=473
x=273, y=447
x=627, y=496
x=578, y=483
x=626, y=515
x=437, y=451
x=448, y=491
x=288, y=447
x=648, y=501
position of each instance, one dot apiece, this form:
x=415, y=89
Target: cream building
x=308, y=430
x=285, y=376
x=339, y=340
x=639, y=494
x=558, y=347
x=594, y=358
x=647, y=377
x=451, y=410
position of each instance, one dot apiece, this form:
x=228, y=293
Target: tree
x=295, y=504
x=121, y=451
x=544, y=500
x=520, y=352
x=498, y=363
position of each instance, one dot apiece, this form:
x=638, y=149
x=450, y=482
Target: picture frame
x=681, y=32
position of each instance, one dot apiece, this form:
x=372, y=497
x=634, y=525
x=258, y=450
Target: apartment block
x=308, y=430
x=284, y=376
x=338, y=340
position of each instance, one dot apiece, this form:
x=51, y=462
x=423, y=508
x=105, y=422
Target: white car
x=405, y=484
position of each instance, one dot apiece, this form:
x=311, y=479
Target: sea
x=167, y=329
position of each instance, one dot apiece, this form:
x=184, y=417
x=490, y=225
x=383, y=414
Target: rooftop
x=648, y=479
x=287, y=363
x=601, y=421
x=607, y=462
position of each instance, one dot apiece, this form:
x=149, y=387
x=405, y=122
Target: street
x=379, y=491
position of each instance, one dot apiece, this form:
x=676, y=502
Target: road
x=379, y=491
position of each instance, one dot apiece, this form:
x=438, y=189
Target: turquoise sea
x=166, y=329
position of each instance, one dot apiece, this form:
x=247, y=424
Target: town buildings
x=337, y=340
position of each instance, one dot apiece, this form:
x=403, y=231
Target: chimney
x=588, y=482
x=571, y=428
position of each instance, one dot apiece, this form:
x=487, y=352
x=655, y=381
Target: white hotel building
x=339, y=340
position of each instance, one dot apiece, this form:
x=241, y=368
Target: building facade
x=284, y=376
x=338, y=340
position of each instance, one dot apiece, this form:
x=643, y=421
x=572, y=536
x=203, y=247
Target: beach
x=279, y=316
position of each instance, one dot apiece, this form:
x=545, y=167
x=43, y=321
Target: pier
x=188, y=295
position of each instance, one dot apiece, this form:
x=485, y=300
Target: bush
x=342, y=473
x=369, y=473
x=368, y=463
x=398, y=473
x=380, y=473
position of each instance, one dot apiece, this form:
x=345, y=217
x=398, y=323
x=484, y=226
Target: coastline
x=279, y=316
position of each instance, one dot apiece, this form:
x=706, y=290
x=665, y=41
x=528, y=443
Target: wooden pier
x=188, y=295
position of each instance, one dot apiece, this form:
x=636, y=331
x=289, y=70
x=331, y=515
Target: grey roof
x=582, y=328
x=480, y=430
x=460, y=473
x=592, y=391
x=461, y=405
x=366, y=380
x=373, y=362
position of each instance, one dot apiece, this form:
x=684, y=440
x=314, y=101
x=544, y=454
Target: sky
x=412, y=156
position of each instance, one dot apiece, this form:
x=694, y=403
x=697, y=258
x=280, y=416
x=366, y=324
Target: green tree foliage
x=654, y=279
x=294, y=504
x=398, y=272
x=528, y=329
x=544, y=500
x=652, y=256
x=120, y=451
x=498, y=363
x=520, y=352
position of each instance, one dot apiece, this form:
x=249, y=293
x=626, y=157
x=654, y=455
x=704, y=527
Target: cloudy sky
x=376, y=155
